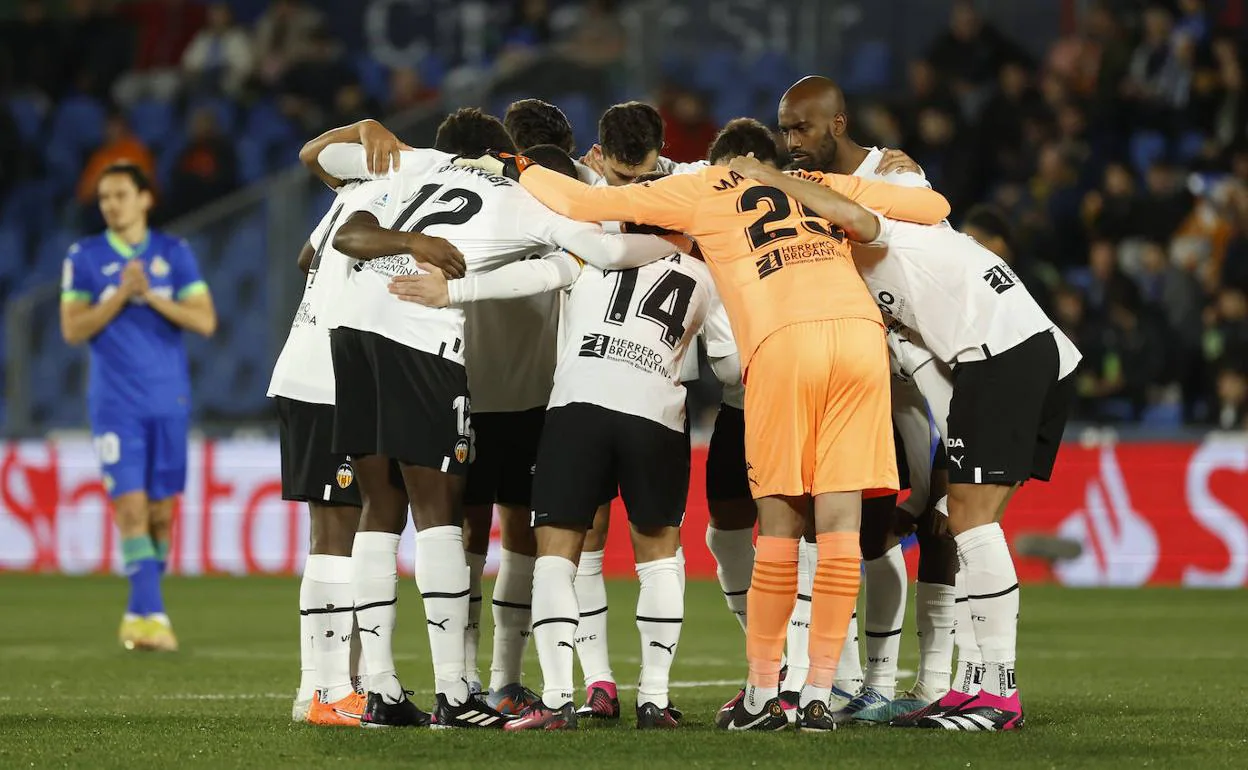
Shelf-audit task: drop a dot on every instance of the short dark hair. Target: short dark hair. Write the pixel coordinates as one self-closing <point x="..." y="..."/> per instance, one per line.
<point x="126" y="168"/>
<point x="553" y="158"/>
<point x="993" y="221"/>
<point x="630" y="131"/>
<point x="532" y="122"/>
<point x="741" y="136"/>
<point x="472" y="133"/>
<point x="650" y="176"/>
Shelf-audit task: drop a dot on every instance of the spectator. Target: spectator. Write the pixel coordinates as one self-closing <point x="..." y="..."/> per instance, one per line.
<point x="971" y="51"/>
<point x="688" y="129"/>
<point x="527" y="33"/>
<point x="1001" y="124"/>
<point x="284" y="37"/>
<point x="120" y="145"/>
<point x="219" y="59"/>
<point x="947" y="158"/>
<point x="205" y="170"/>
<point x="96" y="48"/>
<point x="165" y="28"/>
<point x="1105" y="279"/>
<point x="351" y="105"/>
<point x="1055" y="189"/>
<point x="1133" y="359"/>
<point x="1176" y="294"/>
<point x="598" y="38"/>
<point x="927" y="89"/>
<point x="1226" y="328"/>
<point x="1231" y="410"/>
<point x="1113" y="212"/>
<point x="407" y="91"/>
<point x="29" y="51"/>
<point x="1165" y="205"/>
<point x="880" y="126"/>
<point x="1159" y="77"/>
<point x="309" y="90"/>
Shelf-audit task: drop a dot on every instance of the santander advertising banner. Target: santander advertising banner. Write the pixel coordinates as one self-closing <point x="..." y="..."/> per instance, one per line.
<point x="1144" y="513"/>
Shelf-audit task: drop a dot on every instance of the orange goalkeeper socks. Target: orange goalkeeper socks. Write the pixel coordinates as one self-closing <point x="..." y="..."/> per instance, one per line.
<point x="773" y="592"/>
<point x="833" y="600"/>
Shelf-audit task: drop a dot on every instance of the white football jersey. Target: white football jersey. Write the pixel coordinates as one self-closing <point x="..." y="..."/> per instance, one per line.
<point x="490" y="219"/>
<point x="965" y="301"/>
<point x="628" y="333"/>
<point x="305" y="370"/>
<point x="511" y="351"/>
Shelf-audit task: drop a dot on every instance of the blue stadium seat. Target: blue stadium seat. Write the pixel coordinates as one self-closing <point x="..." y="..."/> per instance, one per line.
<point x="771" y="72"/>
<point x="732" y="104"/>
<point x="718" y="71"/>
<point x="12" y="259"/>
<point x="870" y="67"/>
<point x="167" y="161"/>
<point x="374" y="76"/>
<point x="583" y="117"/>
<point x="50" y="255"/>
<point x="78" y="123"/>
<point x="63" y="160"/>
<point x="322" y="199"/>
<point x="267" y="125"/>
<point x="433" y="69"/>
<point x="1163" y="416"/>
<point x="224" y="110"/>
<point x="30" y="208"/>
<point x="1190" y="145"/>
<point x="1146" y="148"/>
<point x="152" y="120"/>
<point x="252" y="163"/>
<point x="29" y="115"/>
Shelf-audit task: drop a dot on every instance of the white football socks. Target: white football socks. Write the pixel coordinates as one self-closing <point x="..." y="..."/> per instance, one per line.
<point x="513" y="617"/>
<point x="970" y="672"/>
<point x="307" y="664"/>
<point x="660" y="614"/>
<point x="992" y="588"/>
<point x="885" y="613"/>
<point x="374" y="573"/>
<point x="733" y="550"/>
<point x="591" y="634"/>
<point x="934" y="615"/>
<point x="472" y="631"/>
<point x="798" y="636"/>
<point x="332" y="617"/>
<point x="555" y="618"/>
<point x="849" y="667"/>
<point x="442" y="577"/>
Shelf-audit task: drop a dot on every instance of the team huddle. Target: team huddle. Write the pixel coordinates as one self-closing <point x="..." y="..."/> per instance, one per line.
<point x="490" y="327"/>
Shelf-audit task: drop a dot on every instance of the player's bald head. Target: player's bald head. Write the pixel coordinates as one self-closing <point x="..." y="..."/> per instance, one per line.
<point x="815" y="92"/>
<point x="812" y="120"/>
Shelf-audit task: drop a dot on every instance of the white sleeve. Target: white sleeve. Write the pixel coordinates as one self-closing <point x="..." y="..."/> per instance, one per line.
<point x="687" y="168"/>
<point x="347" y="161"/>
<point x="518" y="279"/>
<point x="608" y="251"/>
<point x="910" y="420"/>
<point x="717" y="331"/>
<point x="906" y="179"/>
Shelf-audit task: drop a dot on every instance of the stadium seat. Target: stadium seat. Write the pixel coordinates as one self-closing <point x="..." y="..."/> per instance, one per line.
<point x="433" y="69"/>
<point x="28" y="113"/>
<point x="583" y="116"/>
<point x="1167" y="415"/>
<point x="1146" y="148"/>
<point x="12" y="260"/>
<point x="870" y="67"/>
<point x="267" y="125"/>
<point x="771" y="72"/>
<point x="50" y="255"/>
<point x="152" y="120"/>
<point x="374" y="77"/>
<point x="1190" y="145"/>
<point x="252" y="161"/>
<point x="78" y="123"/>
<point x="718" y="70"/>
<point x="224" y="110"/>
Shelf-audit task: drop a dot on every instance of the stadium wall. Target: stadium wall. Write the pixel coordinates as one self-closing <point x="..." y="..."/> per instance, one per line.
<point x="1144" y="513"/>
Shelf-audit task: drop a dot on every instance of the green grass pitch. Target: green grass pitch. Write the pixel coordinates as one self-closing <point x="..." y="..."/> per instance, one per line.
<point x="1154" y="678"/>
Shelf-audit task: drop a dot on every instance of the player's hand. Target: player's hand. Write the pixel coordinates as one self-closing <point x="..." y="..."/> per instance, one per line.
<point x="134" y="279"/>
<point x="381" y="147"/>
<point x="749" y="167"/>
<point x="904" y="523"/>
<point x="429" y="290"/>
<point x="498" y="163"/>
<point x="439" y="253"/>
<point x="896" y="160"/>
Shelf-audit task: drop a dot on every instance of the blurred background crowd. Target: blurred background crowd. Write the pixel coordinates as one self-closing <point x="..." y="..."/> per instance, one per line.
<point x="1113" y="134"/>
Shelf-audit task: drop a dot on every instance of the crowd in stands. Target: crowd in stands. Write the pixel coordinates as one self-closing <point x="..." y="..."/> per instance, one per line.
<point x="1119" y="154"/>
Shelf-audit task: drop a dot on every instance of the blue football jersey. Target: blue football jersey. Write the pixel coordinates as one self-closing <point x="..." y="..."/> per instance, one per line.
<point x="138" y="361"/>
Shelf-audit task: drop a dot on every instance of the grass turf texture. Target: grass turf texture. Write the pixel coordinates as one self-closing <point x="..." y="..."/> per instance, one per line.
<point x="1110" y="678"/>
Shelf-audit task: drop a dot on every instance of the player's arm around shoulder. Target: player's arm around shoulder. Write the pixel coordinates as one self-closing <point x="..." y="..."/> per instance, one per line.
<point x="920" y="204"/>
<point x="808" y="189"/>
<point x="380" y="151"/>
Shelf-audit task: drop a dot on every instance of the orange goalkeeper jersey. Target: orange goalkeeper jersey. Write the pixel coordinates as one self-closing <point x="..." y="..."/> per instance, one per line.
<point x="774" y="262"/>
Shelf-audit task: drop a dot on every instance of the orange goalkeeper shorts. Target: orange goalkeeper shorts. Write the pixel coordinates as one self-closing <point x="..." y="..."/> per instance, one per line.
<point x="817" y="411"/>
